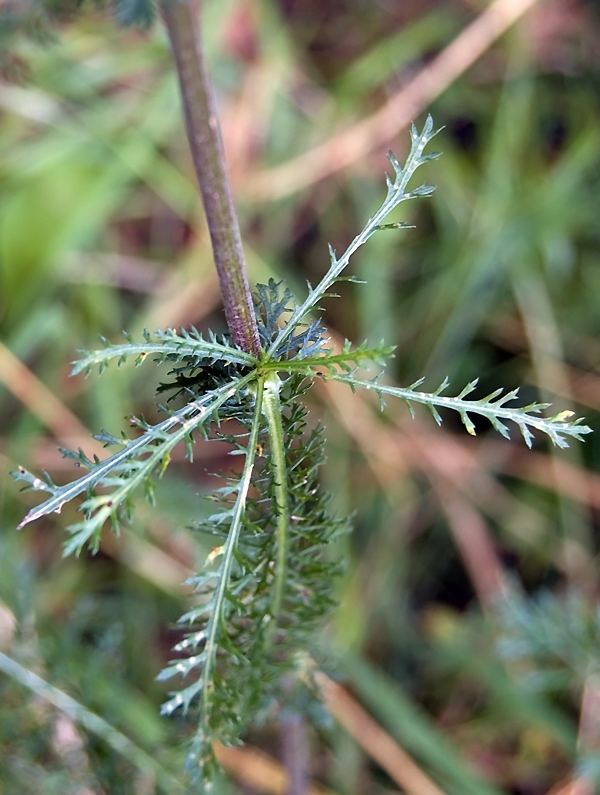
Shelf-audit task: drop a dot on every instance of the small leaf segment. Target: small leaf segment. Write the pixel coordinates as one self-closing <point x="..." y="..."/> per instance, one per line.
<point x="267" y="584"/>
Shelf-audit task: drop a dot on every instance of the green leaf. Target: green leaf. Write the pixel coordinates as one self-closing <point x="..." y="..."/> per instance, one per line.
<point x="412" y="727"/>
<point x="131" y="466"/>
<point x="267" y="586"/>
<point x="396" y="194"/>
<point x="492" y="407"/>
<point x="166" y="346"/>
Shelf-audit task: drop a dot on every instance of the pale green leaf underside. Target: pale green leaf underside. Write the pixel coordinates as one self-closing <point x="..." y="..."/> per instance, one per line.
<point x="215" y="609"/>
<point x="396" y="194"/>
<point x="124" y="471"/>
<point x="163" y="344"/>
<point x="492" y="407"/>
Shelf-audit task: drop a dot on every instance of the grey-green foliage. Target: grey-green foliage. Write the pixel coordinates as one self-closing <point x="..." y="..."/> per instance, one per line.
<point x="37" y="20"/>
<point x="552" y="643"/>
<point x="36" y="17"/>
<point x="116" y="740"/>
<point x="267" y="583"/>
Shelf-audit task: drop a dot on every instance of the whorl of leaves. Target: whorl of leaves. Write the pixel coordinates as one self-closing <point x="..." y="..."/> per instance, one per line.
<point x="267" y="583"/>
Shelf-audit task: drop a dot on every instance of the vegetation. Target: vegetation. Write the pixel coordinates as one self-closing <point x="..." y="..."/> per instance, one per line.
<point x="273" y="545"/>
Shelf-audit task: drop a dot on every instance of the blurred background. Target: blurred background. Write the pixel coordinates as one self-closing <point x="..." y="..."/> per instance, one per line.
<point x="468" y="626"/>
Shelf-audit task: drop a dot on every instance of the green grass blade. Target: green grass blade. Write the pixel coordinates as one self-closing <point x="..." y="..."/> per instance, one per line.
<point x="412" y="727"/>
<point x="93" y="723"/>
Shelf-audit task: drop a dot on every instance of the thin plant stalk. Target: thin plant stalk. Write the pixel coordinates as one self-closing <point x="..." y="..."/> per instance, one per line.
<point x="204" y="135"/>
<point x="294" y="751"/>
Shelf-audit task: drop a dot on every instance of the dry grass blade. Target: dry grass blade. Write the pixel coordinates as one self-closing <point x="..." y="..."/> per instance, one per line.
<point x="448" y="465"/>
<point x="560" y="476"/>
<point x="257" y="770"/>
<point x="44" y="404"/>
<point x="578" y="787"/>
<point x="588" y="739"/>
<point x="473" y="541"/>
<point x="348" y="146"/>
<point x="374" y="740"/>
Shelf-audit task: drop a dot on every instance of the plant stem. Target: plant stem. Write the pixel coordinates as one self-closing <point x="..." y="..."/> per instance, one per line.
<point x="294" y="751"/>
<point x="204" y="135"/>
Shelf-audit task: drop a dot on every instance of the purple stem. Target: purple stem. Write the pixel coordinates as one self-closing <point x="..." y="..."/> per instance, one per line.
<point x="204" y="135"/>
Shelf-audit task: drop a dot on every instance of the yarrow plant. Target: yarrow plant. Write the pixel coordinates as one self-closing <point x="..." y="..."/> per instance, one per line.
<point x="267" y="583"/>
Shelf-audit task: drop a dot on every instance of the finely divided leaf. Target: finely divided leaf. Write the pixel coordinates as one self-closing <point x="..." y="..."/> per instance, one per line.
<point x="122" y="472"/>
<point x="165" y="346"/>
<point x="492" y="407"/>
<point x="396" y="194"/>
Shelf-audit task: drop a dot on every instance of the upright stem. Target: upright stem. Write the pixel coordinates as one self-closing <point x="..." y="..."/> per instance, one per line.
<point x="294" y="751"/>
<point x="204" y="135"/>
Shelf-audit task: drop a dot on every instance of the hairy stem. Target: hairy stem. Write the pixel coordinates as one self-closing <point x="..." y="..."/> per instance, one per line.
<point x="272" y="412"/>
<point x="204" y="134"/>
